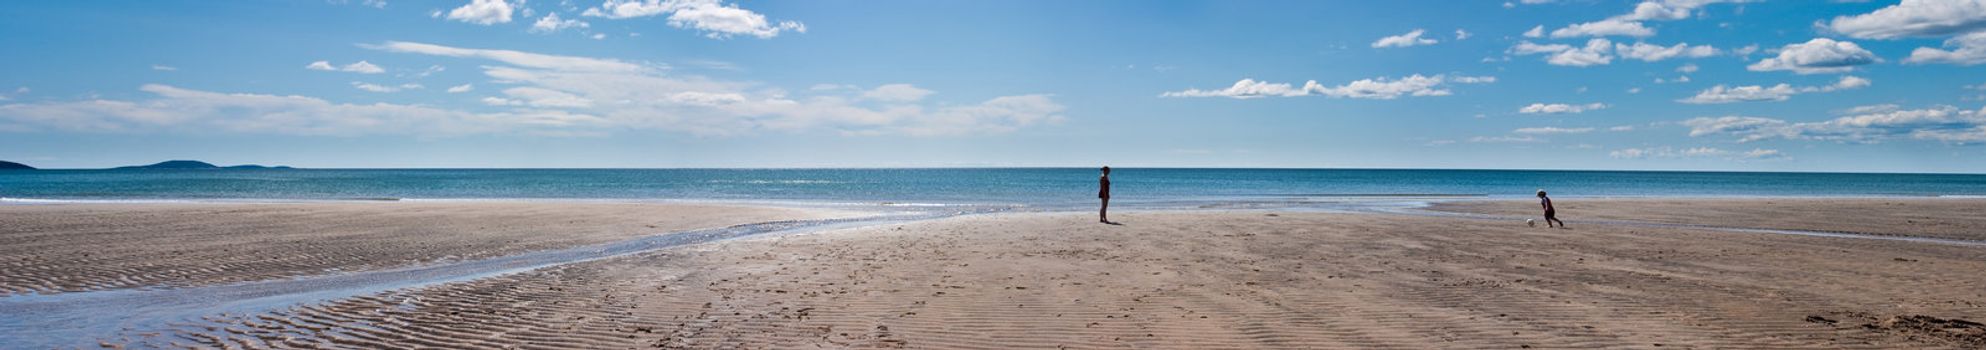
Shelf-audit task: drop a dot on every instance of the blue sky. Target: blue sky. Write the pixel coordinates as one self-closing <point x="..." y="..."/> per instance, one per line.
<point x="1564" y="84"/>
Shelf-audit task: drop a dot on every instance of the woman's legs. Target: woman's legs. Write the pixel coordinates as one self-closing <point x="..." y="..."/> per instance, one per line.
<point x="1103" y="212"/>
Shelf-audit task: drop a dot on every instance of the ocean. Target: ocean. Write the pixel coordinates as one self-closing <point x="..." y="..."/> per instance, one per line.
<point x="940" y="187"/>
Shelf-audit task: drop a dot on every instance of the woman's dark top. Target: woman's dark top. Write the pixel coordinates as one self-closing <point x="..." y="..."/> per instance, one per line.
<point x="1103" y="185"/>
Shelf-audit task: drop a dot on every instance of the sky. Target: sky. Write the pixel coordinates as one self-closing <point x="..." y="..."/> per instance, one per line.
<point x="1767" y="85"/>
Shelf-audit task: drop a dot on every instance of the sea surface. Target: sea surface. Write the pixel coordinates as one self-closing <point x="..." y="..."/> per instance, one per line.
<point x="941" y="187"/>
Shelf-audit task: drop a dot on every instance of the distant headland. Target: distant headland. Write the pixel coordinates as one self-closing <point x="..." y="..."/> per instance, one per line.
<point x="170" y="164"/>
<point x="194" y="164"/>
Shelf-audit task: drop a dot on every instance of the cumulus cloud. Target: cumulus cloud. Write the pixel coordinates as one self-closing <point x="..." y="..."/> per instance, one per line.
<point x="461" y="88"/>
<point x="1820" y="55"/>
<point x="1462" y="34"/>
<point x="1412" y="38"/>
<point x="1696" y="152"/>
<point x="1596" y="52"/>
<point x="1560" y="108"/>
<point x="552" y="24"/>
<point x="1969" y="49"/>
<point x="484" y="12"/>
<point x="549" y="94"/>
<point x="361" y="67"/>
<point x="1915" y="18"/>
<point x="1651" y="53"/>
<point x="1945" y="124"/>
<point x="1608" y="27"/>
<point x="1535" y="32"/>
<point x="1781" y="92"/>
<point x="1630" y="24"/>
<point x="716" y="19"/>
<point x="1381" y="88"/>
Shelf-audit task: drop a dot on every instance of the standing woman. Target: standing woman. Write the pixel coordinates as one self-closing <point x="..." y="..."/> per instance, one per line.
<point x="1103" y="192"/>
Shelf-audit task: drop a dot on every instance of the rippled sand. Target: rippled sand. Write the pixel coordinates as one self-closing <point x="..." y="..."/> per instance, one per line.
<point x="1193" y="280"/>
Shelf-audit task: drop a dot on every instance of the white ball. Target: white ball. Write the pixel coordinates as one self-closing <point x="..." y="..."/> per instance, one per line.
<point x="1531" y="222"/>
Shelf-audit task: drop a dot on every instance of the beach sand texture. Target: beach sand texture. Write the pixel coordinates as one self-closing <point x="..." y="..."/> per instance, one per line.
<point x="1200" y="280"/>
<point x="78" y="247"/>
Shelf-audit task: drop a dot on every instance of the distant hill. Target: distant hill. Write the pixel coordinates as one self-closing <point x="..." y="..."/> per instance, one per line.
<point x="6" y="165"/>
<point x="194" y="164"/>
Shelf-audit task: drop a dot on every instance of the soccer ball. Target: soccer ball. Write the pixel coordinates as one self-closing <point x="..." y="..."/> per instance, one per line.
<point x="1531" y="222"/>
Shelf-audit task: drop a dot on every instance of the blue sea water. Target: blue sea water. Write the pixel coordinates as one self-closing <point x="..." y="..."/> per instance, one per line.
<point x="991" y="186"/>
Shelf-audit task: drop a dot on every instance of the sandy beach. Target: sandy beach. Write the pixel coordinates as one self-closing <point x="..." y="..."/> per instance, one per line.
<point x="1216" y="279"/>
<point x="78" y="247"/>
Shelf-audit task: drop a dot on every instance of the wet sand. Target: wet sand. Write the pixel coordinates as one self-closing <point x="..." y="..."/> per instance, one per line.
<point x="68" y="248"/>
<point x="1211" y="279"/>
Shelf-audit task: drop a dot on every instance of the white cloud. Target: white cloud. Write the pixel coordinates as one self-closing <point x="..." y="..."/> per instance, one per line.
<point x="1746" y="51"/>
<point x="519" y="58"/>
<point x="1461" y="34"/>
<point x="383" y="88"/>
<point x="1687" y="68"/>
<point x="1630" y="24"/>
<point x="1651" y="53"/>
<point x="1608" y="27"/>
<point x="160" y="67"/>
<point x="1915" y="18"/>
<point x="484" y="12"/>
<point x="552" y="24"/>
<point x="1621" y="128"/>
<point x="1595" y="53"/>
<point x="1530" y="48"/>
<point x="178" y="109"/>
<point x="361" y="67"/>
<point x="1552" y="130"/>
<point x="1560" y="108"/>
<point x="1941" y="123"/>
<point x="1377" y="88"/>
<point x="1535" y="32"/>
<point x="461" y="88"/>
<point x="1820" y="55"/>
<point x="1411" y="38"/>
<point x="1696" y="152"/>
<point x="896" y="93"/>
<point x="716" y="19"/>
<point x="1781" y="92"/>
<point x="599" y="36"/>
<point x="1599" y="51"/>
<point x="551" y="95"/>
<point x="1969" y="49"/>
